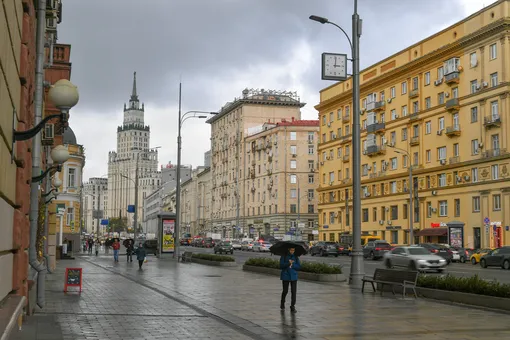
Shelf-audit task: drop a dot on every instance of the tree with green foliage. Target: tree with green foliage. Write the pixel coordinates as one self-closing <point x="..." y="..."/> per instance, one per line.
<point x="117" y="224"/>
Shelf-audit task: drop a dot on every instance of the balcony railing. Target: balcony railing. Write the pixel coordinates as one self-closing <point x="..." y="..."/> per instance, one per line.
<point x="376" y="106"/>
<point x="414" y="140"/>
<point x="414" y="116"/>
<point x="373" y="150"/>
<point x="346" y="158"/>
<point x="345" y="138"/>
<point x="454" y="160"/>
<point x="492" y="120"/>
<point x="377" y="174"/>
<point x="376" y="127"/>
<point x="452" y="104"/>
<point x="452" y="131"/>
<point x="414" y="93"/>
<point x="346" y="118"/>
<point x="452" y="78"/>
<point x="493" y="153"/>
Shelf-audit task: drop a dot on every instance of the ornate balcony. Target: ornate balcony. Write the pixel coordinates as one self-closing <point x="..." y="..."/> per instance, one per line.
<point x="377" y="127"/>
<point x="376" y="106"/>
<point x="346" y="158"/>
<point x="346" y="118"/>
<point x="414" y="140"/>
<point x="452" y="78"/>
<point x="414" y="93"/>
<point x="453" y="131"/>
<point x="452" y="104"/>
<point x="374" y="150"/>
<point x="492" y="121"/>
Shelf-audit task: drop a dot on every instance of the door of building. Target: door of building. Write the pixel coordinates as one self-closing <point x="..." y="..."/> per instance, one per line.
<point x="477" y="242"/>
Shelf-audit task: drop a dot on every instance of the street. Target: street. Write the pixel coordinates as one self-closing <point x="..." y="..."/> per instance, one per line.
<point x="455" y="269"/>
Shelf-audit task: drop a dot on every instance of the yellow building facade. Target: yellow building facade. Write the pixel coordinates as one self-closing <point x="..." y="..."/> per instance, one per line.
<point x="441" y="107"/>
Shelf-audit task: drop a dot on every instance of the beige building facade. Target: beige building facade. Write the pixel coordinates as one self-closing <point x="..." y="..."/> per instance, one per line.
<point x="441" y="107"/>
<point x="194" y="215"/>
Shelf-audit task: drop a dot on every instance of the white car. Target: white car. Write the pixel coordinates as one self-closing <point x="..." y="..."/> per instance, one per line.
<point x="261" y="246"/>
<point x="236" y="245"/>
<point x="414" y="258"/>
<point x="455" y="253"/>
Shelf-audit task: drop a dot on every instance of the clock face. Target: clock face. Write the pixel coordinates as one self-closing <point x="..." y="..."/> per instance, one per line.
<point x="334" y="66"/>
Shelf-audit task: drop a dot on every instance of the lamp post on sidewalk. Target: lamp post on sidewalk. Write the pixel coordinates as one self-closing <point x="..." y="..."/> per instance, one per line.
<point x="357" y="265"/>
<point x="182" y="119"/>
<point x="411" y="187"/>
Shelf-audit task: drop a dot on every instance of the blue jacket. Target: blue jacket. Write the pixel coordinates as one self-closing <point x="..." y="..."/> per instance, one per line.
<point x="140" y="253"/>
<point x="289" y="274"/>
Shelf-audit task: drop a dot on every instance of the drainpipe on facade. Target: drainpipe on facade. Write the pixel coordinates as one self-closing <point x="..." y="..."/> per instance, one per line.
<point x="47" y="189"/>
<point x="36" y="152"/>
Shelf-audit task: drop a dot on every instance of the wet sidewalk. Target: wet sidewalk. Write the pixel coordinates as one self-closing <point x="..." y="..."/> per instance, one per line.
<point x="169" y="300"/>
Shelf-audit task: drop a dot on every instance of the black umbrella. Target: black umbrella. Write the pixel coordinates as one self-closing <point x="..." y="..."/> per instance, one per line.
<point x="282" y="248"/>
<point x="127" y="241"/>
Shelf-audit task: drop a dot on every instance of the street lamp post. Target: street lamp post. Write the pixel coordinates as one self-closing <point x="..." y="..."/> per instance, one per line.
<point x="411" y="187"/>
<point x="182" y="119"/>
<point x="357" y="265"/>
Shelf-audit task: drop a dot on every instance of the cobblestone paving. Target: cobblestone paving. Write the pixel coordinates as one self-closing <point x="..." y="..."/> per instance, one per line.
<point x="169" y="300"/>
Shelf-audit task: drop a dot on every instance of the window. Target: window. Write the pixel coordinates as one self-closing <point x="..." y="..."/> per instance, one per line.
<point x="443" y="208"/>
<point x="310" y="211"/>
<point x="394" y="237"/>
<point x="495" y="141"/>
<point x="364" y="103"/>
<point x="474" y="114"/>
<point x="476" y="204"/>
<point x="493" y="52"/>
<point x="347" y="111"/>
<point x="311" y="179"/>
<point x="428" y="127"/>
<point x="339" y="114"/>
<point x="293" y="193"/>
<point x="427" y="103"/>
<point x="365" y="215"/>
<point x="455" y="92"/>
<point x="364" y="170"/>
<point x="293" y="209"/>
<point x="381" y="94"/>
<point x="415" y="158"/>
<point x="70" y="216"/>
<point x="427" y="78"/>
<point x="472" y="60"/>
<point x="441" y="153"/>
<point x="393" y="114"/>
<point x="440" y="122"/>
<point x="415" y="83"/>
<point x="474" y="147"/>
<point x="392" y="92"/>
<point x="293" y="149"/>
<point x="456" y="150"/>
<point x="293" y="134"/>
<point x="393" y="163"/>
<point x="324" y="120"/>
<point x="494" y="79"/>
<point x="310" y="150"/>
<point x="440" y="73"/>
<point x="441" y="178"/>
<point x="310" y="137"/>
<point x="293" y="179"/>
<point x="404" y="111"/>
<point x="394" y="212"/>
<point x="404" y="87"/>
<point x="428" y="155"/>
<point x="429" y="209"/>
<point x="331" y="176"/>
<point x="393" y="137"/>
<point x="393" y="187"/>
<point x="494" y="110"/>
<point x="404" y="161"/>
<point x="451" y="65"/>
<point x="456" y="207"/>
<point x="474" y="86"/>
<point x="440" y="98"/>
<point x="71" y="178"/>
<point x="416" y="107"/>
<point x="495" y="171"/>
<point x="404" y="134"/>
<point x="474" y="175"/>
<point x="293" y="164"/>
<point x="331" y="117"/>
<point x="416" y="130"/>
<point x="496" y="202"/>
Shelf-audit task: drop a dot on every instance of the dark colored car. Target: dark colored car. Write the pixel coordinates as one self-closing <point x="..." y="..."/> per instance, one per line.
<point x="465" y="254"/>
<point x="223" y="247"/>
<point x="304" y="244"/>
<point x="151" y="246"/>
<point x="324" y="248"/>
<point x="376" y="249"/>
<point x="438" y="249"/>
<point x="207" y="243"/>
<point x="499" y="257"/>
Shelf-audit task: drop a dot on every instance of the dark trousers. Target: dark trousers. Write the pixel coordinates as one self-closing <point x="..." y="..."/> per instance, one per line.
<point x="129" y="256"/>
<point x="293" y="291"/>
<point x="140" y="263"/>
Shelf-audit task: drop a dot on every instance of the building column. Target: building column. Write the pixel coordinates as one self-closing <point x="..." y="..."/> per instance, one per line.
<point x="505" y="207"/>
<point x="484" y="212"/>
<point x="481" y="118"/>
<point x="503" y="98"/>
<point x="504" y="62"/>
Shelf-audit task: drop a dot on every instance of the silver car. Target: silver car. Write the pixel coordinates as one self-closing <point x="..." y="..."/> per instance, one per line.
<point x="414" y="258"/>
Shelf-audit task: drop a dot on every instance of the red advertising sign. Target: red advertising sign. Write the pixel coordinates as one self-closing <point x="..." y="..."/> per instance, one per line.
<point x="73" y="278"/>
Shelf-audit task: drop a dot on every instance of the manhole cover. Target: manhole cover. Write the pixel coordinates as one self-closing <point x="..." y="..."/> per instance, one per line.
<point x="212" y="275"/>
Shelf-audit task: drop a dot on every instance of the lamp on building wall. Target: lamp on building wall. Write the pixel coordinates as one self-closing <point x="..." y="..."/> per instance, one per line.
<point x="64" y="95"/>
<point x="59" y="155"/>
<point x="57" y="182"/>
<point x="52" y="197"/>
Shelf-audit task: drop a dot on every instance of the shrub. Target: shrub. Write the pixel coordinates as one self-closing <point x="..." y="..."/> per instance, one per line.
<point x="212" y="257"/>
<point x="473" y="285"/>
<point x="306" y="267"/>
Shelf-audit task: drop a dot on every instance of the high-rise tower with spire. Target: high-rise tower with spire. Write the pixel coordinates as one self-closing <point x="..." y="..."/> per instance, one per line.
<point x="133" y="150"/>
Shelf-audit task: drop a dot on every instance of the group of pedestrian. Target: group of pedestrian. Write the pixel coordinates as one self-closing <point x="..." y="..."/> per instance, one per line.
<point x="140" y="252"/>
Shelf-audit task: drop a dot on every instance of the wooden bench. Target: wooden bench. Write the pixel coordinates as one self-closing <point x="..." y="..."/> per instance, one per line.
<point x="392" y="277"/>
<point x="186" y="256"/>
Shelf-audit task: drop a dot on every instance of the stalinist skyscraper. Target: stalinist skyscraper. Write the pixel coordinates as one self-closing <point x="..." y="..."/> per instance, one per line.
<point x="133" y="150"/>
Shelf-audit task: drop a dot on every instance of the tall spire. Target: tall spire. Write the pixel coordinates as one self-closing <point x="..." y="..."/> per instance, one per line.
<point x="134" y="96"/>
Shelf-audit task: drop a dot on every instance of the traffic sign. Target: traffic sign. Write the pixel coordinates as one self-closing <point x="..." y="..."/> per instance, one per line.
<point x="486" y="220"/>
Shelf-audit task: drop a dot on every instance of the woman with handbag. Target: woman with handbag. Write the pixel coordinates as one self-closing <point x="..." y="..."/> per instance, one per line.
<point x="141" y="254"/>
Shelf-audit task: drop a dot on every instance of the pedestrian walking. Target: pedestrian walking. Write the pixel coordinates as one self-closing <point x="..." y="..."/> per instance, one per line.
<point x="90" y="244"/>
<point x="116" y="247"/>
<point x="107" y="245"/>
<point x="141" y="254"/>
<point x="290" y="265"/>
<point x="130" y="250"/>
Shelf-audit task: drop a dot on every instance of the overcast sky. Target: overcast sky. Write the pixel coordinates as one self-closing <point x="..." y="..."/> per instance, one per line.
<point x="218" y="48"/>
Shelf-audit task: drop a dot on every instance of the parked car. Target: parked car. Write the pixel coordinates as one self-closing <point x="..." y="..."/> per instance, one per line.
<point x="223" y="247"/>
<point x="247" y="245"/>
<point x="236" y="245"/>
<point x="376" y="249"/>
<point x="477" y="255"/>
<point x="151" y="246"/>
<point x="414" y="258"/>
<point x="465" y="254"/>
<point x="324" y="248"/>
<point x="261" y="246"/>
<point x="438" y="250"/>
<point x="207" y="243"/>
<point x="499" y="257"/>
<point x="304" y="244"/>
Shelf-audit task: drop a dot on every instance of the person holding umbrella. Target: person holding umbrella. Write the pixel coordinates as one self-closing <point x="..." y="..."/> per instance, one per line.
<point x="290" y="265"/>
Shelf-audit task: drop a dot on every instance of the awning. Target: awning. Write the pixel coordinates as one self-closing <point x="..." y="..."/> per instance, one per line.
<point x="432" y="232"/>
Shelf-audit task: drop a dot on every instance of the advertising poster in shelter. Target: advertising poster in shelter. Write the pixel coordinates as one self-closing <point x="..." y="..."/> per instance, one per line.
<point x="168" y="236"/>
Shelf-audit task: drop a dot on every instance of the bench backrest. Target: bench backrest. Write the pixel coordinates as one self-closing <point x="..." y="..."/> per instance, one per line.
<point x="397" y="276"/>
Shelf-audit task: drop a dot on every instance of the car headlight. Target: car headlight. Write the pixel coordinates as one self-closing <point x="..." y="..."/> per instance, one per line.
<point x="442" y="260"/>
<point x="422" y="261"/>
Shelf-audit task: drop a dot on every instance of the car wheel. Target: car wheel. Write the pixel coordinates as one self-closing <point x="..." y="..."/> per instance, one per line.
<point x="483" y="263"/>
<point x="506" y="265"/>
<point x="473" y="261"/>
<point x="462" y="259"/>
<point x="336" y="255"/>
<point x="388" y="264"/>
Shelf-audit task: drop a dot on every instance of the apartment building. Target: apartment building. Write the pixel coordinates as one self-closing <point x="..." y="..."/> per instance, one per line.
<point x="195" y="202"/>
<point x="441" y="108"/>
<point x="228" y="130"/>
<point x="95" y="204"/>
<point x="280" y="188"/>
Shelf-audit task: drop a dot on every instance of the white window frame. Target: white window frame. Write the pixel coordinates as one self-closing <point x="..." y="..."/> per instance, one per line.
<point x="473" y="60"/>
<point x="443" y="208"/>
<point x="441" y="153"/>
<point x="293" y="164"/>
<point x="427" y="78"/>
<point x="404" y="87"/>
<point x="428" y="127"/>
<point x="73" y="176"/>
<point x="293" y="134"/>
<point x="493" y="51"/>
<point x="293" y="179"/>
<point x="69" y="215"/>
<point x="476" y="204"/>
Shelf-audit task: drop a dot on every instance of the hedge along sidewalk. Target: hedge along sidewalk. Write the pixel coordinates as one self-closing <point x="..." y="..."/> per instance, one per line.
<point x="466" y="290"/>
<point x="214" y="260"/>
<point x="309" y="271"/>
